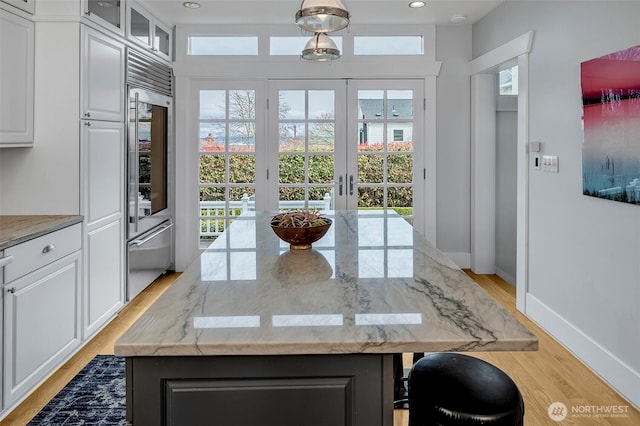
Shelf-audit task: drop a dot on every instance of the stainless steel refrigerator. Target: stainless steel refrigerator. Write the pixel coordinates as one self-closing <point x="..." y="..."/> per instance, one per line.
<point x="149" y="188"/>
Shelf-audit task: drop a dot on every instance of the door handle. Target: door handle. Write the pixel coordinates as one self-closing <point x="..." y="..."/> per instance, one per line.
<point x="351" y="185"/>
<point x="340" y="186"/>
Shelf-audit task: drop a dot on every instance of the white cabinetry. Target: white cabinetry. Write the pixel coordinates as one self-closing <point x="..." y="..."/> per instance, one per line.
<point x="102" y="184"/>
<point x="17" y="49"/>
<point x="102" y="77"/>
<point x="147" y="31"/>
<point x="41" y="309"/>
<point x="103" y="206"/>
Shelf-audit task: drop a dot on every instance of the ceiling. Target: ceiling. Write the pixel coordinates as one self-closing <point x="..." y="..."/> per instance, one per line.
<point x="363" y="12"/>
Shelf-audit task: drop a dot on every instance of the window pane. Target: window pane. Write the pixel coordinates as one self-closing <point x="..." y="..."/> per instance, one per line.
<point x="222" y="45"/>
<point x="293" y="45"/>
<point x="291" y="169"/>
<point x="370" y="136"/>
<point x="321" y="104"/>
<point x="242" y="137"/>
<point x="212" y="194"/>
<point x="400" y="168"/>
<point x="317" y="194"/>
<point x="242" y="104"/>
<point x="212" y="137"/>
<point x="292" y="105"/>
<point x="212" y="169"/>
<point x="239" y="194"/>
<point x="370" y="168"/>
<point x="370" y="104"/>
<point x="399" y="132"/>
<point x="399" y="104"/>
<point x="509" y="81"/>
<point x="292" y="136"/>
<point x="213" y="105"/>
<point x="242" y="168"/>
<point x="401" y="196"/>
<point x="322" y="137"/>
<point x="291" y="194"/>
<point x="370" y="196"/>
<point x="387" y="45"/>
<point x="320" y="168"/>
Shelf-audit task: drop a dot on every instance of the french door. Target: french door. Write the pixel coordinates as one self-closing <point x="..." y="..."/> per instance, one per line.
<point x="346" y="144"/>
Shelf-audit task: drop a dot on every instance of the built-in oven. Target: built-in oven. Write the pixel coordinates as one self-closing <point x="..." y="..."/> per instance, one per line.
<point x="149" y="177"/>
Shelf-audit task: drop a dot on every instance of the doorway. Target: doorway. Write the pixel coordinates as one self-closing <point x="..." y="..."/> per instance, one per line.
<point x="483" y="160"/>
<point x="346" y="144"/>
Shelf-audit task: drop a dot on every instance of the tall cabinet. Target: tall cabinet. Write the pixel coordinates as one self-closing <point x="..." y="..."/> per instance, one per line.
<point x="102" y="184"/>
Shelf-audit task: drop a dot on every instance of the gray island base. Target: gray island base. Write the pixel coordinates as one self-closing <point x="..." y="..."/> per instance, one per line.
<point x="255" y="334"/>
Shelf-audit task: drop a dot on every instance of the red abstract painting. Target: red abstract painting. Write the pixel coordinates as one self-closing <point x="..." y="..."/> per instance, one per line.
<point x="611" y="120"/>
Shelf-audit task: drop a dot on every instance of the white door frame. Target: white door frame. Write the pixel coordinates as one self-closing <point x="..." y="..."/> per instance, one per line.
<point x="483" y="142"/>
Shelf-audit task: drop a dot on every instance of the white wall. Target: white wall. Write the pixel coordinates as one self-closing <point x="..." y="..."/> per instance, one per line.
<point x="506" y="203"/>
<point x="453" y="48"/>
<point x="584" y="268"/>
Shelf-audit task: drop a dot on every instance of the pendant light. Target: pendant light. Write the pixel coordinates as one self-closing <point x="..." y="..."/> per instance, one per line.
<point x="322" y="16"/>
<point x="320" y="48"/>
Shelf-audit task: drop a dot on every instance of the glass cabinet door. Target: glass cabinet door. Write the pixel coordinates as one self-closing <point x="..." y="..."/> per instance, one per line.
<point x="162" y="41"/>
<point x="108" y="12"/>
<point x="140" y="28"/>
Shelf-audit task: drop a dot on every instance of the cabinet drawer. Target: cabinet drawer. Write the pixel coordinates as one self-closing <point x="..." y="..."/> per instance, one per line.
<point x="36" y="253"/>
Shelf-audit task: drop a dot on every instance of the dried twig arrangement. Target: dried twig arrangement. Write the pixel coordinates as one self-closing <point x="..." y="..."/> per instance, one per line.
<point x="298" y="219"/>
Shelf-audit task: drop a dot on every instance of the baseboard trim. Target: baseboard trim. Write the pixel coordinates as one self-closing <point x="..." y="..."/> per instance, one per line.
<point x="607" y="366"/>
<point x="505" y="276"/>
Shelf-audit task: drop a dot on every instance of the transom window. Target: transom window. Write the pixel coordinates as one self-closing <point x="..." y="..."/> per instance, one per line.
<point x="283" y="45"/>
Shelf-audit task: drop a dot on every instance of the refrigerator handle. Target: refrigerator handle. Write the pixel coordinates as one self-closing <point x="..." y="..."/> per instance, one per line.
<point x="138" y="243"/>
<point x="136" y="187"/>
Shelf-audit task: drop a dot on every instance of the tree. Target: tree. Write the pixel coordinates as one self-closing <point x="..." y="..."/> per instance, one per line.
<point x="242" y="107"/>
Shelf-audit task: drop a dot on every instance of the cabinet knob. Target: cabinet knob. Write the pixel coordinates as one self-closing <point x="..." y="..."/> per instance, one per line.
<point x="87" y="114"/>
<point x="11" y="290"/>
<point x="88" y="124"/>
<point x="48" y="248"/>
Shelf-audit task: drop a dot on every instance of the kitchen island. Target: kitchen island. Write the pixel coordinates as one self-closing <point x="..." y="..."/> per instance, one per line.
<point x="255" y="333"/>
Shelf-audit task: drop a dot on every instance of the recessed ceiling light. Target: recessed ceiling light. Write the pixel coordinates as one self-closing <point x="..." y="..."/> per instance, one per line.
<point x="456" y="19"/>
<point x="417" y="4"/>
<point x="191" y="4"/>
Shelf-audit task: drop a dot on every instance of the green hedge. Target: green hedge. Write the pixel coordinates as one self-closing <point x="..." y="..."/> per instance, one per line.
<point x="321" y="172"/>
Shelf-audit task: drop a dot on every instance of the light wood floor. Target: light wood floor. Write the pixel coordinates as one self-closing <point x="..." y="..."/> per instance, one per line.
<point x="548" y="375"/>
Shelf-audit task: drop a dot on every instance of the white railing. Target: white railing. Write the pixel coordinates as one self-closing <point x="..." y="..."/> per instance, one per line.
<point x="212" y="213"/>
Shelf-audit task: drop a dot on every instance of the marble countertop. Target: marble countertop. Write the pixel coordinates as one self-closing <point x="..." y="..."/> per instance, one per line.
<point x="370" y="285"/>
<point x="20" y="228"/>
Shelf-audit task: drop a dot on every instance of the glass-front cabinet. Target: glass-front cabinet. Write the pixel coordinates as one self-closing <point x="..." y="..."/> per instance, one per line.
<point x="107" y="13"/>
<point x="26" y="5"/>
<point x="145" y="30"/>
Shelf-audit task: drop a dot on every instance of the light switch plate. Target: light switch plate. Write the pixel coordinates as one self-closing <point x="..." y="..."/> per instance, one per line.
<point x="550" y="163"/>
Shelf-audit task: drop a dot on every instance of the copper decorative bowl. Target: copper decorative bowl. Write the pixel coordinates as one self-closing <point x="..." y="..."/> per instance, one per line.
<point x="302" y="234"/>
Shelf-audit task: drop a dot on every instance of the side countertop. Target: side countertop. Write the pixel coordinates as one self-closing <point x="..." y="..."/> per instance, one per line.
<point x="20" y="228"/>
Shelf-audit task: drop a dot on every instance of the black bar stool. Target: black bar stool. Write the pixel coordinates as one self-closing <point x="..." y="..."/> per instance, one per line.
<point x="451" y="389"/>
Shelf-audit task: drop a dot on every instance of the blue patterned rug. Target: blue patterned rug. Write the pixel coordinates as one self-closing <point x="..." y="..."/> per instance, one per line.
<point x="96" y="396"/>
